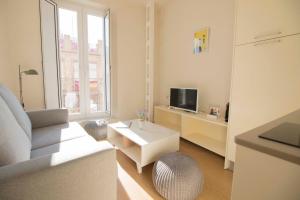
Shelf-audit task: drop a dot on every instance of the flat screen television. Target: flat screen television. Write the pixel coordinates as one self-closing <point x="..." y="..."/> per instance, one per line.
<point x="184" y="99"/>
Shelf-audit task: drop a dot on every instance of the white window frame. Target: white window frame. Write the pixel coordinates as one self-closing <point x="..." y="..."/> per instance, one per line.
<point x="84" y="92"/>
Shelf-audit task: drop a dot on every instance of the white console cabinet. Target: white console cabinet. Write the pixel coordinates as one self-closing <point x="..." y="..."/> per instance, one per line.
<point x="197" y="128"/>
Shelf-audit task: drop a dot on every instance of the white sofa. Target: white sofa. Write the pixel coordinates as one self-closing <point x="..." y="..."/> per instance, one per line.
<point x="43" y="156"/>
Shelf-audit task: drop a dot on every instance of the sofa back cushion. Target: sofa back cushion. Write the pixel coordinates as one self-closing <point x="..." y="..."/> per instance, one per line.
<point x="14" y="143"/>
<point x="17" y="110"/>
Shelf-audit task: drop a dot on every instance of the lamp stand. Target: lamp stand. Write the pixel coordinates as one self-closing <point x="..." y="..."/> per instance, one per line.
<point x="20" y="87"/>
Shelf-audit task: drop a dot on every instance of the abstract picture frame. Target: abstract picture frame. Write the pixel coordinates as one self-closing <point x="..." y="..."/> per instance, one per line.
<point x="201" y="40"/>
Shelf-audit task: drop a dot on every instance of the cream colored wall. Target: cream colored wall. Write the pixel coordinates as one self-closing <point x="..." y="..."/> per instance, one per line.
<point x="24" y="48"/>
<point x="178" y="66"/>
<point x="4" y="72"/>
<point x="128" y="53"/>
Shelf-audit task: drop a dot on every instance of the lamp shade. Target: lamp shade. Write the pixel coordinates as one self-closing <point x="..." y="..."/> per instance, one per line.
<point x="31" y="72"/>
<point x="26" y="72"/>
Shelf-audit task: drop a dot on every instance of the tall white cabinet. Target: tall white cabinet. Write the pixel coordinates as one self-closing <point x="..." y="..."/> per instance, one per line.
<point x="264" y="19"/>
<point x="266" y="65"/>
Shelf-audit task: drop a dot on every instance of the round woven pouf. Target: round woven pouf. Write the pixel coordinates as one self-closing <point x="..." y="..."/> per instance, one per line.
<point x="177" y="177"/>
<point x="97" y="129"/>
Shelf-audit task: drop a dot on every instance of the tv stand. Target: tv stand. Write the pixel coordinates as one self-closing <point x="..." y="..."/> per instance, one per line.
<point x="182" y="110"/>
<point x="194" y="127"/>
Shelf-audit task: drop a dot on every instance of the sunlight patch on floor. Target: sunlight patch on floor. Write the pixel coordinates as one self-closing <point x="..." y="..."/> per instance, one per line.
<point x="130" y="189"/>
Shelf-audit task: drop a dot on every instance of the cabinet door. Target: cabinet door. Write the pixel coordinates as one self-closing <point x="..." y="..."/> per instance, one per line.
<point x="264" y="19"/>
<point x="266" y="84"/>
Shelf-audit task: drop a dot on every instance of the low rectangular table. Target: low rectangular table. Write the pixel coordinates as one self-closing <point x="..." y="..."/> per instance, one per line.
<point x="143" y="142"/>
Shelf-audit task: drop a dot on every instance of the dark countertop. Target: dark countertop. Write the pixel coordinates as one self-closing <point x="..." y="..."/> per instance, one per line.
<point x="251" y="140"/>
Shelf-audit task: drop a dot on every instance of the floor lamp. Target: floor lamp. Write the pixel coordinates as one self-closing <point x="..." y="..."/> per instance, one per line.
<point x="26" y="72"/>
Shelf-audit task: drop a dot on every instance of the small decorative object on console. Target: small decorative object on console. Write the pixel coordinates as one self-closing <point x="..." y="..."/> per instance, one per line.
<point x="214" y="112"/>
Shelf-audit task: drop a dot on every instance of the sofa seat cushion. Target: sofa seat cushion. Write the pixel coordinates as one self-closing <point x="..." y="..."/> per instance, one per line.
<point x="70" y="146"/>
<point x="46" y="136"/>
<point x="14" y="143"/>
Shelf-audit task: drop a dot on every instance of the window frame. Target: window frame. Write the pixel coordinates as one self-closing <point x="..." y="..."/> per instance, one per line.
<point x="82" y="23"/>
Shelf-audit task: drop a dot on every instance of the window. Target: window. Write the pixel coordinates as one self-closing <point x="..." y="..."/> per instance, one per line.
<point x="84" y="61"/>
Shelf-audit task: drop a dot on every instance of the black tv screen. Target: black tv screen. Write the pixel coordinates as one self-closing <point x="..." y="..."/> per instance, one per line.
<point x="186" y="99"/>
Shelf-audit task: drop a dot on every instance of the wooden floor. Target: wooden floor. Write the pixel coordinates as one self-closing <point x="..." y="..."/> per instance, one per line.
<point x="217" y="181"/>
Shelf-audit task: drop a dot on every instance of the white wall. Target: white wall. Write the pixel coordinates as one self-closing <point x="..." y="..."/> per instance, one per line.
<point x="6" y="72"/>
<point x="177" y="66"/>
<point x="128" y="52"/>
<point x="23" y="47"/>
<point x="3" y="46"/>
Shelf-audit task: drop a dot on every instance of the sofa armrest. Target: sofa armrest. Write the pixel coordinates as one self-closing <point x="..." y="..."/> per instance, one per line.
<point x="43" y="118"/>
<point x="89" y="173"/>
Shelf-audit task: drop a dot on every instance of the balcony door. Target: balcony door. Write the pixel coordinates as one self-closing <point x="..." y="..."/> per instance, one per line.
<point x="84" y="61"/>
<point x="48" y="15"/>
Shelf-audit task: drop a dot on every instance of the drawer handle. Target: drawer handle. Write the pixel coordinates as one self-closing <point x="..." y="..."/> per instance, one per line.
<point x="267" y="42"/>
<point x="267" y="35"/>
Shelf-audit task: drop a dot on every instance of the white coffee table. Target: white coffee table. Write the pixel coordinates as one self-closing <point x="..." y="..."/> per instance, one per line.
<point x="143" y="145"/>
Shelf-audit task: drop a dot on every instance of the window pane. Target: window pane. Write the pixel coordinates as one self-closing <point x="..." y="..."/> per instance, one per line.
<point x="96" y="64"/>
<point x="69" y="59"/>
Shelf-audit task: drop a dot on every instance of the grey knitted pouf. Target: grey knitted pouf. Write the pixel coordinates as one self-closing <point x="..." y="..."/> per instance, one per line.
<point x="177" y="177"/>
<point x="97" y="129"/>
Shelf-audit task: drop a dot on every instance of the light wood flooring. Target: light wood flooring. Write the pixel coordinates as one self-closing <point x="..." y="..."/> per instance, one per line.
<point x="134" y="186"/>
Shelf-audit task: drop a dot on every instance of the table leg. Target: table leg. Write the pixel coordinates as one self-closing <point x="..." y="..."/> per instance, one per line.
<point x="139" y="168"/>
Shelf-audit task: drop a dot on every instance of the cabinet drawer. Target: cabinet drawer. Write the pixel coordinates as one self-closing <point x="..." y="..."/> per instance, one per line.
<point x="264" y="19"/>
<point x="266" y="84"/>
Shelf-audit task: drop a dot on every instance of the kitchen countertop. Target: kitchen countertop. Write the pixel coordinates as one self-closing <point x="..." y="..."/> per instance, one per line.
<point x="251" y="140"/>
